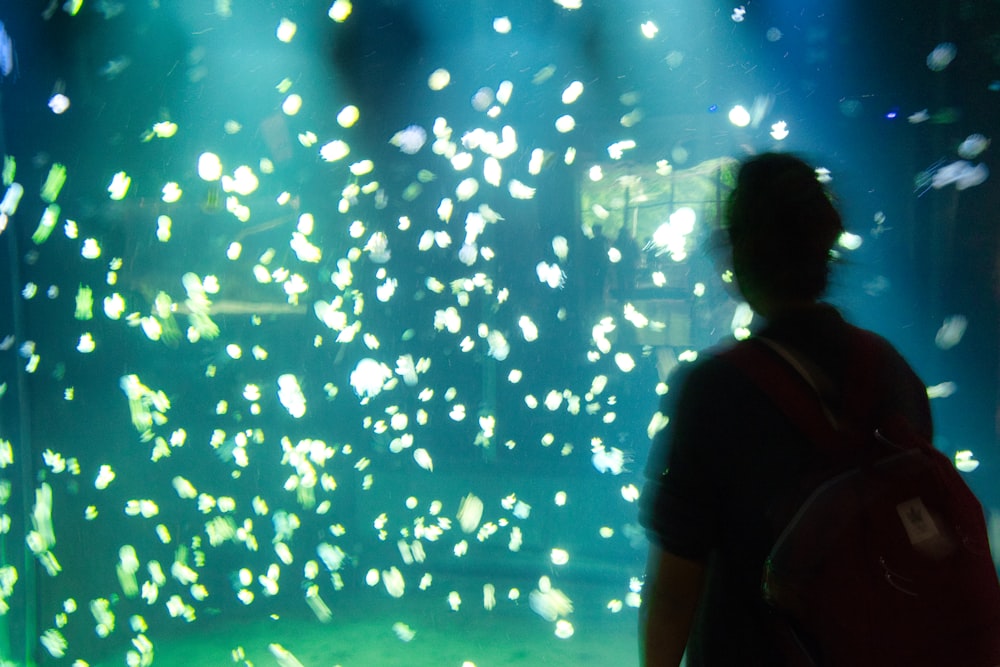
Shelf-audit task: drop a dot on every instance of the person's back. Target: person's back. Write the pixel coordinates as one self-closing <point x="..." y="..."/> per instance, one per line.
<point x="729" y="456"/>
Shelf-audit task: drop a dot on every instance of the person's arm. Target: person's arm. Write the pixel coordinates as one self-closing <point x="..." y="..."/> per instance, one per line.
<point x="670" y="599"/>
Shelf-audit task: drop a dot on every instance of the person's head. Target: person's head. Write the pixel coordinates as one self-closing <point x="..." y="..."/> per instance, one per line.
<point x="782" y="226"/>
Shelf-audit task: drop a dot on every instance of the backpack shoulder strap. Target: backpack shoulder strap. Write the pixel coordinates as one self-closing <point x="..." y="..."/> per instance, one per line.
<point x="791" y="391"/>
<point x="781" y="374"/>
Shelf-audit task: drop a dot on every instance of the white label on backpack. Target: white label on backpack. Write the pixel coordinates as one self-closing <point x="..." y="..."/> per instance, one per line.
<point x="917" y="521"/>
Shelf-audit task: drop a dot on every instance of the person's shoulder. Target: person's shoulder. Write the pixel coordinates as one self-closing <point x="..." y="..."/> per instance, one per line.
<point x="712" y="370"/>
<point x="877" y="346"/>
<point x="899" y="389"/>
<point x="893" y="373"/>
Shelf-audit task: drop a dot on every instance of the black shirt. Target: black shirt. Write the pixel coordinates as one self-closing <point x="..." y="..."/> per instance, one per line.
<point x="728" y="453"/>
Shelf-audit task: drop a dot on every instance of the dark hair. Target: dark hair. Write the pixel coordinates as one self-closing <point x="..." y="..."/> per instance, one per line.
<point x="782" y="226"/>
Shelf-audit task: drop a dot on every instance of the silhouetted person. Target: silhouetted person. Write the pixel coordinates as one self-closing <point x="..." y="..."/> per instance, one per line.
<point x="593" y="267"/>
<point x="625" y="270"/>
<point x="729" y="453"/>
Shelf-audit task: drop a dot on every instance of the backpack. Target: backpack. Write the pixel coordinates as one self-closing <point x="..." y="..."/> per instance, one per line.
<point x="886" y="561"/>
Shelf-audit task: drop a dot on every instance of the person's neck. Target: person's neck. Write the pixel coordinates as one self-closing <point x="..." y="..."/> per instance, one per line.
<point x="771" y="309"/>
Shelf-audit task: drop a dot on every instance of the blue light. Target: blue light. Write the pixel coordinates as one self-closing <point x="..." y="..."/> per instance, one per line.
<point x="713" y="108"/>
